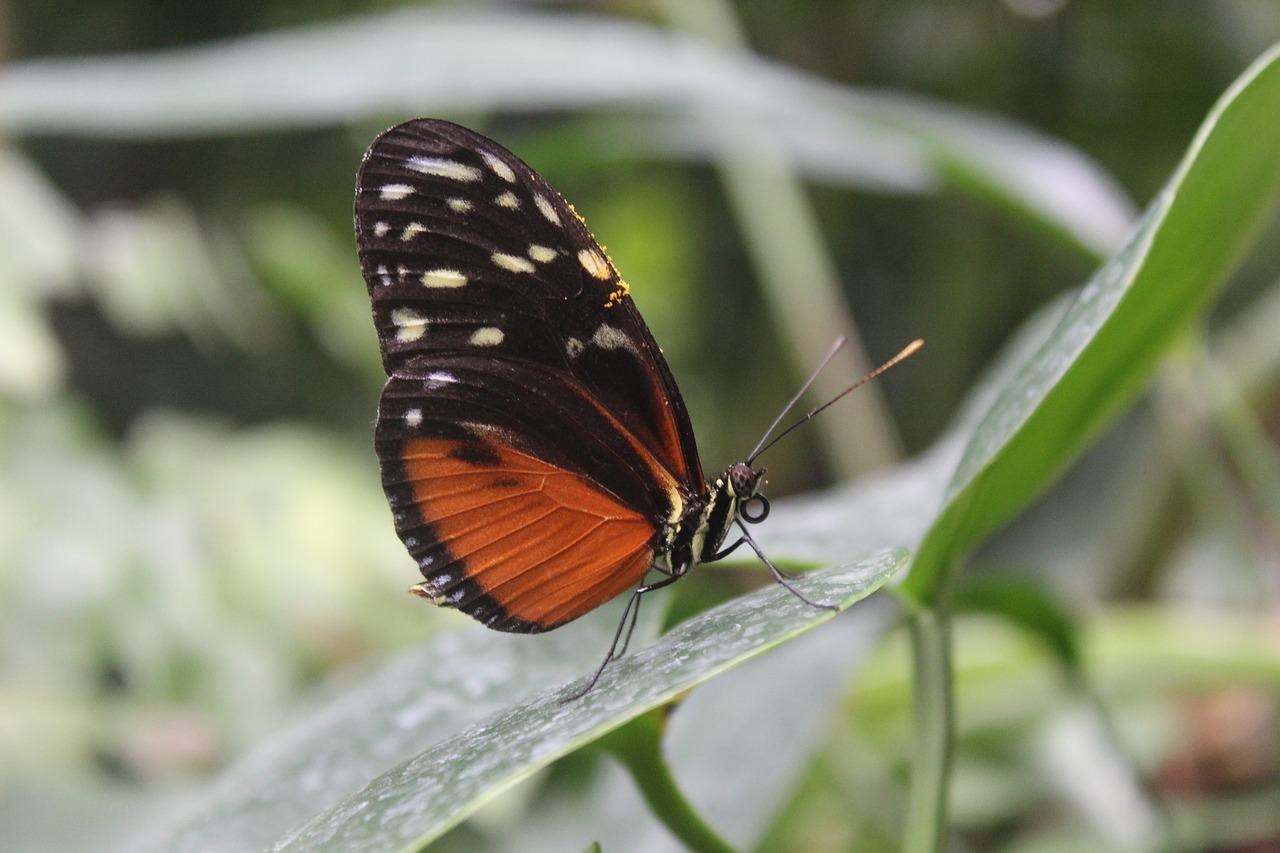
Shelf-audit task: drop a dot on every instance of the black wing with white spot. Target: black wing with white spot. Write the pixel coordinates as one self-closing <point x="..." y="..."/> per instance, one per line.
<point x="467" y="251"/>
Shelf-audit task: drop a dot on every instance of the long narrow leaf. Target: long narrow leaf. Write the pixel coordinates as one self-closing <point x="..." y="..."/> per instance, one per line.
<point x="431" y="702"/>
<point x="417" y="801"/>
<point x="450" y="61"/>
<point x="1109" y="341"/>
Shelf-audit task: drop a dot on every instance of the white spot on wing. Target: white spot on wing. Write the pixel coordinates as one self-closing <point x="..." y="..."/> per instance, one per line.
<point x="443" y="168"/>
<point x="459" y="205"/>
<point x="542" y="254"/>
<point x="412" y="230"/>
<point x="508" y="200"/>
<point x="413" y="418"/>
<point x="395" y="192"/>
<point x="489" y="431"/>
<point x="487" y="336"/>
<point x="443" y="278"/>
<point x="594" y="263"/>
<point x="544" y="205"/>
<point x="573" y="347"/>
<point x="610" y="338"/>
<point x="501" y="169"/>
<point x="410" y="325"/>
<point x="380" y="229"/>
<point x="512" y="263"/>
<point x="439" y="378"/>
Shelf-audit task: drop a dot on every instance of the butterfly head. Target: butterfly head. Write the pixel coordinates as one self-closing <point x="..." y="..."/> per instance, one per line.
<point x="744" y="480"/>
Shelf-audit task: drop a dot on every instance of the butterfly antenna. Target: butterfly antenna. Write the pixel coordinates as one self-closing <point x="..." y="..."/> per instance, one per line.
<point x="826" y="359"/>
<point x="765" y="443"/>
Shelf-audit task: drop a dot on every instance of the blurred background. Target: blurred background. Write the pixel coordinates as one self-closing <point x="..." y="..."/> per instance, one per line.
<point x="192" y="532"/>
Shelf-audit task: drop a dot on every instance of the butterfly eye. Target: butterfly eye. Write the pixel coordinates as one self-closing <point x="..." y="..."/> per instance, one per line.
<point x="744" y="480"/>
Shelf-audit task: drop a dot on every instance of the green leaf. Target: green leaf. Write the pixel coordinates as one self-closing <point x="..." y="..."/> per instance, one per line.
<point x="450" y="60"/>
<point x="432" y="701"/>
<point x="352" y="733"/>
<point x="782" y="705"/>
<point x="1108" y="342"/>
<point x="417" y="801"/>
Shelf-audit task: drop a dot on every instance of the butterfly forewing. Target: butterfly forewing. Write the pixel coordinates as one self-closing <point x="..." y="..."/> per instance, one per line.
<point x="533" y="442"/>
<point x="465" y="248"/>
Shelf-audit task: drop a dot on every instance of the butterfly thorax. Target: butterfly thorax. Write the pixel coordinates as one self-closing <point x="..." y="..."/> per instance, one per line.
<point x="699" y="534"/>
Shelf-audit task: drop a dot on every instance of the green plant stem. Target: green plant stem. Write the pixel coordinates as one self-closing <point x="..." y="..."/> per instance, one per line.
<point x="638" y="746"/>
<point x="934" y="723"/>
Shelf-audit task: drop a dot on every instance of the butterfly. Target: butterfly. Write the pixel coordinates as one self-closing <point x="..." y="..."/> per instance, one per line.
<point x="535" y="450"/>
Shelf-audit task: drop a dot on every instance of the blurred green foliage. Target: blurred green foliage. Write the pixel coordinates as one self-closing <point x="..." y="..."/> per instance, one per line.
<point x="191" y="530"/>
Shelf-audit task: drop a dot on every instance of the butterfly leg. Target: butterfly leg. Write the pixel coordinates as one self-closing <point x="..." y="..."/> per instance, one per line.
<point x="724" y="552"/>
<point x="779" y="575"/>
<point x="628" y="621"/>
<point x="634" y="605"/>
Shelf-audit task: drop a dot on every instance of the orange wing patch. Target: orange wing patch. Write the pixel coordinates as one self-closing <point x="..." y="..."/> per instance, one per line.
<point x="542" y="542"/>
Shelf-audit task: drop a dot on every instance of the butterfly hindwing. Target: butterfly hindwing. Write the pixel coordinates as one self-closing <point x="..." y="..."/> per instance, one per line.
<point x="487" y="464"/>
<point x="464" y="248"/>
